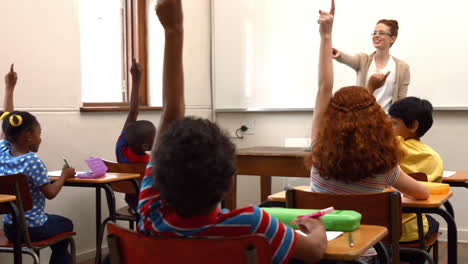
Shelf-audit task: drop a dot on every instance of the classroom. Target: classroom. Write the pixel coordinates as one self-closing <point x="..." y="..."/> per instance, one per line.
<point x="56" y="61"/>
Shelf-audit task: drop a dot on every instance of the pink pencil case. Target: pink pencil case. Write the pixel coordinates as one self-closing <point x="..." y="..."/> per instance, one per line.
<point x="97" y="167"/>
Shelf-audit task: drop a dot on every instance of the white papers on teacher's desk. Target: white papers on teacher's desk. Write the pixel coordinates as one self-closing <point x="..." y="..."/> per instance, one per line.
<point x="448" y="174"/>
<point x="330" y="234"/>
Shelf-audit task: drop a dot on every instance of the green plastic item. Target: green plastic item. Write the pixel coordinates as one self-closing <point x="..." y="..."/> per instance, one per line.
<point x="339" y="220"/>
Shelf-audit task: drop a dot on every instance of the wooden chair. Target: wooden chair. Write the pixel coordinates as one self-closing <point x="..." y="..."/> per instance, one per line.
<point x="382" y="209"/>
<point x="124" y="213"/>
<point x="126" y="246"/>
<point x="17" y="184"/>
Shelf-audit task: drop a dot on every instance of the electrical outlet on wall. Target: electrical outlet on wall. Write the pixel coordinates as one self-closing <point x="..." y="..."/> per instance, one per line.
<point x="250" y="124"/>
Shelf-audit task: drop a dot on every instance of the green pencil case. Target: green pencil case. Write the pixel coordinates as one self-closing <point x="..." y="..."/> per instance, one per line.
<point x="338" y="220"/>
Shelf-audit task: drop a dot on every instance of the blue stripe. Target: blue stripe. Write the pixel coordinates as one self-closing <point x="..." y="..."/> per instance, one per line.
<point x="257" y="217"/>
<point x="285" y="246"/>
<point x="272" y="229"/>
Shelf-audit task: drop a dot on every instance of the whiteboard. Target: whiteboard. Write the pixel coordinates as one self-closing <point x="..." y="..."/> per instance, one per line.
<point x="265" y="52"/>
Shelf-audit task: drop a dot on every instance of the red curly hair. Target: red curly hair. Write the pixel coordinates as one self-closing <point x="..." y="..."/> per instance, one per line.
<point x="356" y="139"/>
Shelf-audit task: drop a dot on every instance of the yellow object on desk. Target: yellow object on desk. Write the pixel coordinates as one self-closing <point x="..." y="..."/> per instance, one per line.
<point x="437" y="188"/>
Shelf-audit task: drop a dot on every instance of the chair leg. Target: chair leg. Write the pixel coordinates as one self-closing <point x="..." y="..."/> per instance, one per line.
<point x="131" y="225"/>
<point x="31" y="253"/>
<point x="435" y="252"/>
<point x="72" y="250"/>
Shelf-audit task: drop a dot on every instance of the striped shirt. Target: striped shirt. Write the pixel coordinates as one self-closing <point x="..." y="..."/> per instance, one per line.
<point x="377" y="183"/>
<point x="159" y="219"/>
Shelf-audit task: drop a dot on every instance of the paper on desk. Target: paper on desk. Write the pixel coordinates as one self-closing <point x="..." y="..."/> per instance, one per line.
<point x="330" y="234"/>
<point x="448" y="174"/>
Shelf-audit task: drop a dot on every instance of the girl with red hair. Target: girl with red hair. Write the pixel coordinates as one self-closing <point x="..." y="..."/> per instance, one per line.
<point x="354" y="149"/>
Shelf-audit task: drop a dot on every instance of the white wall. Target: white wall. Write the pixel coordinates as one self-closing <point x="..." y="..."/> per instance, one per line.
<point x="42" y="37"/>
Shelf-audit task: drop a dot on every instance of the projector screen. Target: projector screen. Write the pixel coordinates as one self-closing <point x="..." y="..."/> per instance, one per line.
<point x="265" y="52"/>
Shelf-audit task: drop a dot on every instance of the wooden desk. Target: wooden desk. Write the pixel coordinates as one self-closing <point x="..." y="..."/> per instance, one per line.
<point x="100" y="183"/>
<point x="267" y="162"/>
<point x="433" y="205"/>
<point x="365" y="237"/>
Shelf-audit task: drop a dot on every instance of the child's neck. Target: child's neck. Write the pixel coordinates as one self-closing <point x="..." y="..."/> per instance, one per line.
<point x="18" y="150"/>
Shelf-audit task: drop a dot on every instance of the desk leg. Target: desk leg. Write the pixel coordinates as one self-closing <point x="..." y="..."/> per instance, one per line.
<point x="265" y="187"/>
<point x="230" y="198"/>
<point x="449" y="208"/>
<point x="382" y="253"/>
<point x="451" y="236"/>
<point x="98" y="225"/>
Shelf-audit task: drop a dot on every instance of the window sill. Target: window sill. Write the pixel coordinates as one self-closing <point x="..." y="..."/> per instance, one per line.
<point x="118" y="108"/>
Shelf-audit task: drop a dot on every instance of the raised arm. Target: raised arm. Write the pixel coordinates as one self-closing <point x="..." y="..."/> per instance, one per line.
<point x="325" y="71"/>
<point x="136" y="71"/>
<point x="171" y="16"/>
<point x="10" y="82"/>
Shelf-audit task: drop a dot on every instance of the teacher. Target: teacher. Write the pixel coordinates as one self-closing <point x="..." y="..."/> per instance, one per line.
<point x="380" y="61"/>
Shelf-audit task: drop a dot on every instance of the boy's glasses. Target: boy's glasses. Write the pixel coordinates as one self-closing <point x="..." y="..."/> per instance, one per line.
<point x="380" y="33"/>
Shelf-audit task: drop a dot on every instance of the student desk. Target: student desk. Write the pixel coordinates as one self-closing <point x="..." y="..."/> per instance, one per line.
<point x="9" y="200"/>
<point x="100" y="183"/>
<point x="266" y="162"/>
<point x="365" y="237"/>
<point x="431" y="206"/>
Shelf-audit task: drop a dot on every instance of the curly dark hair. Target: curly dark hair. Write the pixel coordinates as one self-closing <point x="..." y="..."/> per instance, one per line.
<point x="194" y="162"/>
<point x="410" y="109"/>
<point x="13" y="132"/>
<point x="138" y="133"/>
<point x="356" y="138"/>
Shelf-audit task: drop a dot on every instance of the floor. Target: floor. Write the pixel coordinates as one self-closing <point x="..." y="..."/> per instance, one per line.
<point x="462" y="254"/>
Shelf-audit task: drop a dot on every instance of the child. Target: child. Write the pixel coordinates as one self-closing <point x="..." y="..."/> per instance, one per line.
<point x="137" y="136"/>
<point x="411" y="119"/>
<point x="193" y="163"/>
<point x="354" y="149"/>
<point x="21" y="138"/>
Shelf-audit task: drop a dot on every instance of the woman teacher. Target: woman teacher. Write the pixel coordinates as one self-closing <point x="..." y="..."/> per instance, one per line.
<point x="396" y="86"/>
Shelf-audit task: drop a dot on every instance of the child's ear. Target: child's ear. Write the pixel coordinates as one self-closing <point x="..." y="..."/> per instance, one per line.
<point x="414" y="126"/>
<point x="146" y="147"/>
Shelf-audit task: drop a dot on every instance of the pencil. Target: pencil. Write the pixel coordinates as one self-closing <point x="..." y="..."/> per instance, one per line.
<point x="350" y="238"/>
<point x="66" y="163"/>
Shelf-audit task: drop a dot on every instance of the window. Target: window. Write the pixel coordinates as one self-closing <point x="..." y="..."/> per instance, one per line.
<point x="112" y="33"/>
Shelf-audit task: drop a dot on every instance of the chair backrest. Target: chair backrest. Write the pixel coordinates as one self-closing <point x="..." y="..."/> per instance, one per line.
<point x="125" y="187"/>
<point x="16" y="184"/>
<point x="419" y="176"/>
<point x="383" y="209"/>
<point x="126" y="246"/>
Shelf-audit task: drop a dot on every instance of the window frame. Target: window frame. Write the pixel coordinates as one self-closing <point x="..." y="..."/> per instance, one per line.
<point x="135" y="29"/>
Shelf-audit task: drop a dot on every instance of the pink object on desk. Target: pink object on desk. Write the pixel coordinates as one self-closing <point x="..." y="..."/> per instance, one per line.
<point x="97" y="167"/>
<point x="316" y="214"/>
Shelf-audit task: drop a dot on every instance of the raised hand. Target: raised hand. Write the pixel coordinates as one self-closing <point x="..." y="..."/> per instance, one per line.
<point x="170" y="15"/>
<point x="376" y="81"/>
<point x="326" y="20"/>
<point x="11" y="78"/>
<point x="136" y="70"/>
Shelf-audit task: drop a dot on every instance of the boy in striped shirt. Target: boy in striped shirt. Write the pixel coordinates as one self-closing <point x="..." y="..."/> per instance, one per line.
<point x="192" y="166"/>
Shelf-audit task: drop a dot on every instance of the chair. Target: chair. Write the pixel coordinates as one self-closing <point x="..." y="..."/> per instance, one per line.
<point x="431" y="242"/>
<point x="382" y="209"/>
<point x="124" y="213"/>
<point x="126" y="246"/>
<point x="17" y="184"/>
